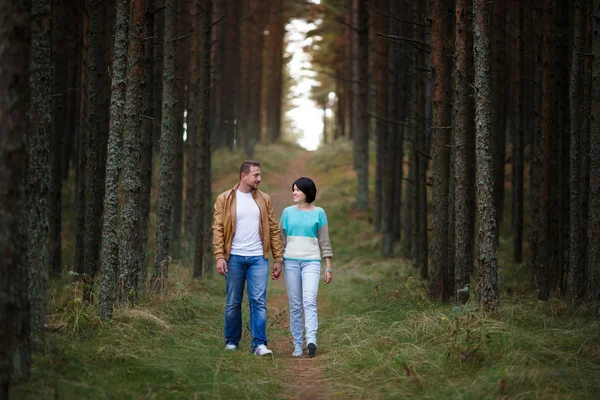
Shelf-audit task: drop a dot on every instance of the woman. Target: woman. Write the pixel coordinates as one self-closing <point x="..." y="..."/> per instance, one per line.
<point x="305" y="239"/>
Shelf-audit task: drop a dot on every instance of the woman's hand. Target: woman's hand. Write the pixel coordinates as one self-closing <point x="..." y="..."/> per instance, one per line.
<point x="328" y="277"/>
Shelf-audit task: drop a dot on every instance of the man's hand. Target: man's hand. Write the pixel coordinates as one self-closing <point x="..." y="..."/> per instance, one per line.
<point x="222" y="266"/>
<point x="276" y="270"/>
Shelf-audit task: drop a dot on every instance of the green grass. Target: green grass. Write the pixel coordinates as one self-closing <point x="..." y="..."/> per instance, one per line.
<point x="379" y="336"/>
<point x="385" y="339"/>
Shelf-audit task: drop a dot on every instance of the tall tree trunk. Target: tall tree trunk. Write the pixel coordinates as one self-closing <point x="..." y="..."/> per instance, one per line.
<point x="182" y="52"/>
<point x="560" y="147"/>
<point x="60" y="89"/>
<point x="167" y="148"/>
<point x="146" y="141"/>
<point x="463" y="125"/>
<point x="442" y="102"/>
<point x="585" y="137"/>
<point x="94" y="185"/>
<point x="207" y="145"/>
<point x="386" y="138"/>
<point x="518" y="134"/>
<point x="193" y="94"/>
<point x="231" y="106"/>
<point x="159" y="47"/>
<point x="203" y="171"/>
<point x="403" y="88"/>
<point x="130" y="249"/>
<point x="82" y="134"/>
<point x="275" y="81"/>
<point x="577" y="268"/>
<point x="500" y="101"/>
<point x="38" y="172"/>
<point x="360" y="103"/>
<point x="109" y="263"/>
<point x="489" y="297"/>
<point x="15" y="322"/>
<point x="541" y="173"/>
<point x="593" y="272"/>
<point x="407" y="209"/>
<point x="382" y="55"/>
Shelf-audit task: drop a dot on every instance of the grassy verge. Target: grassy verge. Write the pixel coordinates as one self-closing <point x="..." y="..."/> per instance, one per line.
<point x="379" y="336"/>
<point x="166" y="348"/>
<point x="382" y="338"/>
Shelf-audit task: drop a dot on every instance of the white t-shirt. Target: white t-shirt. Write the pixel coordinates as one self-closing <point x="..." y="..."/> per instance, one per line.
<point x="246" y="240"/>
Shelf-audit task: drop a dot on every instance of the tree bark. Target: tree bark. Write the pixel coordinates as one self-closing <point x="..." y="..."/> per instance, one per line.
<point x="463" y="126"/>
<point x="577" y="268"/>
<point x="387" y="140"/>
<point x="167" y="148"/>
<point x="489" y="297"/>
<point x="360" y="104"/>
<point x="500" y="100"/>
<point x="94" y="185"/>
<point x="60" y="89"/>
<point x="82" y="134"/>
<point x="518" y="133"/>
<point x="541" y="171"/>
<point x="182" y="52"/>
<point x="203" y="171"/>
<point x="593" y="272"/>
<point x="275" y="82"/>
<point x="38" y="172"/>
<point x="146" y="141"/>
<point x="193" y="95"/>
<point x="130" y="249"/>
<point x="15" y="322"/>
<point x="442" y="102"/>
<point x="109" y="263"/>
<point x="159" y="46"/>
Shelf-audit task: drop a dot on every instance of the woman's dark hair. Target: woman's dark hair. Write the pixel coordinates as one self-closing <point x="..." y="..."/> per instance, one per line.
<point x="307" y="186"/>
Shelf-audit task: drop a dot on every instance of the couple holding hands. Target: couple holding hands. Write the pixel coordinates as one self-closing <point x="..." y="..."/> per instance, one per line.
<point x="245" y="231"/>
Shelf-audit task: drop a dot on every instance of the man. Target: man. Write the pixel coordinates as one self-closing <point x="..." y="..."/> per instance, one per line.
<point x="244" y="232"/>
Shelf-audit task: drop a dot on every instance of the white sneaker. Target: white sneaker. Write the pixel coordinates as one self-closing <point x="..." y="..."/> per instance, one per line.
<point x="297" y="351"/>
<point x="262" y="350"/>
<point x="230" y="347"/>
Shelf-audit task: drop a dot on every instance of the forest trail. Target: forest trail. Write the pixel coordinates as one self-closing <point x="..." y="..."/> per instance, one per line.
<point x="307" y="377"/>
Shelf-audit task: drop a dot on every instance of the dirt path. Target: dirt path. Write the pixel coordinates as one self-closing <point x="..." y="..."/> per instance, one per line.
<point x="307" y="377"/>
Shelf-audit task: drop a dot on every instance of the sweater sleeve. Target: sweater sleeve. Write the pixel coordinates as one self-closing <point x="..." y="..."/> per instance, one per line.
<point x="323" y="235"/>
<point x="282" y="230"/>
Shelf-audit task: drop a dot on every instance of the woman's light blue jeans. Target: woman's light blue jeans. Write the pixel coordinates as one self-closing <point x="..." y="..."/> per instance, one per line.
<point x="302" y="282"/>
<point x="254" y="271"/>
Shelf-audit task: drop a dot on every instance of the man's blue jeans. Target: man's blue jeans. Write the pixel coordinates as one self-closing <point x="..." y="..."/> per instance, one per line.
<point x="255" y="271"/>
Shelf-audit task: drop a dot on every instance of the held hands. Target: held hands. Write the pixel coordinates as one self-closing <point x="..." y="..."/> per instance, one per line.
<point x="328" y="275"/>
<point x="276" y="270"/>
<point x="222" y="266"/>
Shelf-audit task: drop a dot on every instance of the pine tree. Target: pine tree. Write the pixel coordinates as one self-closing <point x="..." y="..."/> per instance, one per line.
<point x="167" y="146"/>
<point x="38" y="172"/>
<point x="489" y="296"/>
<point x="15" y="323"/>
<point x="109" y="262"/>
<point x="130" y="256"/>
<point x="463" y="126"/>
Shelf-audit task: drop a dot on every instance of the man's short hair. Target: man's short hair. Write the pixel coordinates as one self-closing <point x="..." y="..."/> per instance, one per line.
<point x="245" y="167"/>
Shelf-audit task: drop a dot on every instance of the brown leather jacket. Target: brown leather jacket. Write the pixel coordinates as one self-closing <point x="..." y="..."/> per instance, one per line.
<point x="224" y="224"/>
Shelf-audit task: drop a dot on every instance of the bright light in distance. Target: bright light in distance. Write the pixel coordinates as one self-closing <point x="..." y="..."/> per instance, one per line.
<point x="305" y="114"/>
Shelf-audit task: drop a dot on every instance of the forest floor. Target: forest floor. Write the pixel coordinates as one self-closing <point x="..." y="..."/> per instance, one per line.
<point x="379" y="335"/>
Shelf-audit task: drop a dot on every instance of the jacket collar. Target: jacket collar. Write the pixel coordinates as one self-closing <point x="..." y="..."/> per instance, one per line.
<point x="236" y="187"/>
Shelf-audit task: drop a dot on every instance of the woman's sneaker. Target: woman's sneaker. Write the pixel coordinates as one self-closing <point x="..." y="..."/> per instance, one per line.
<point x="230" y="347"/>
<point x="312" y="349"/>
<point x="262" y="350"/>
<point x="297" y="351"/>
